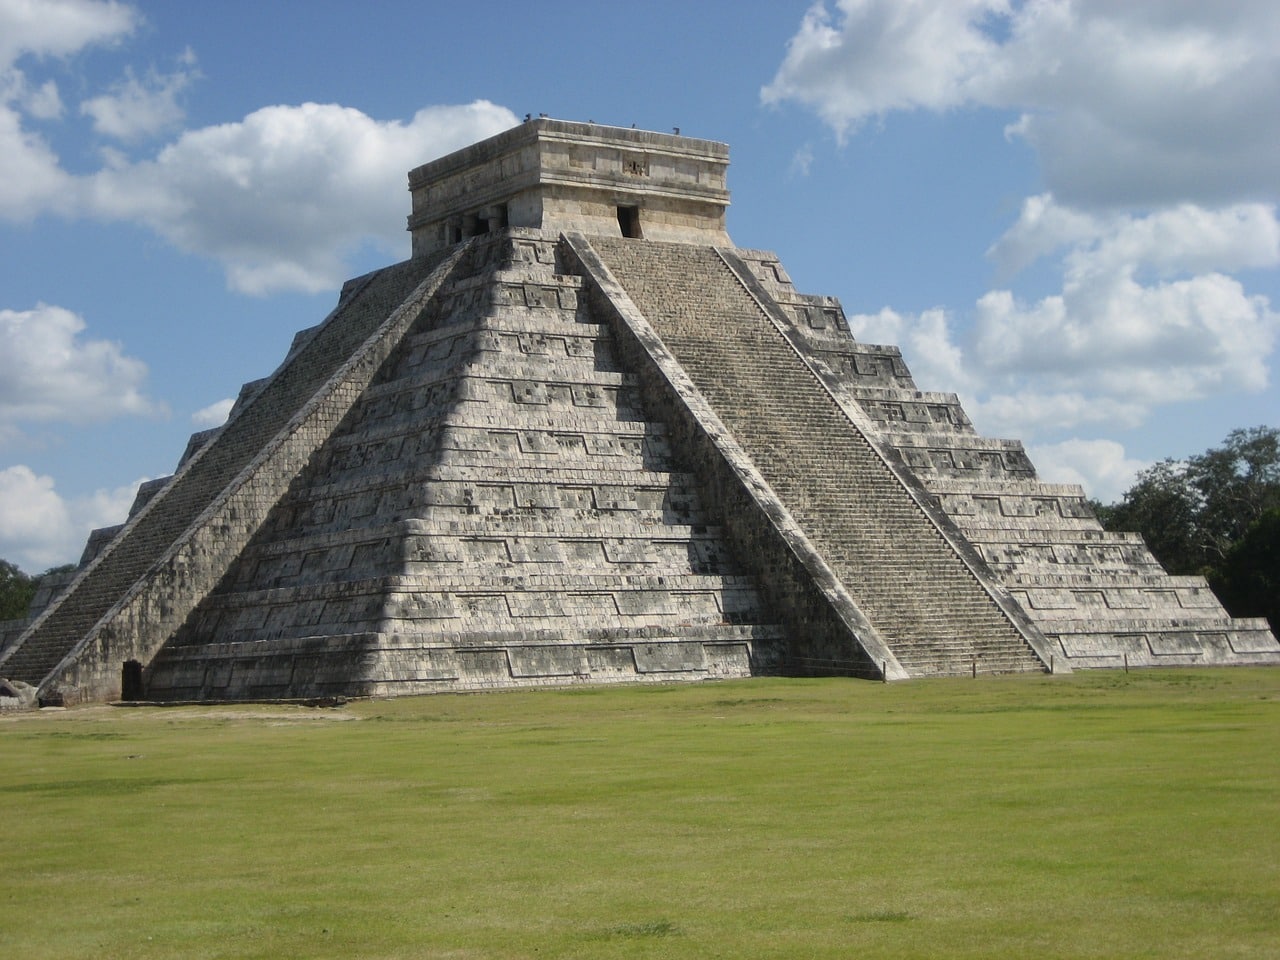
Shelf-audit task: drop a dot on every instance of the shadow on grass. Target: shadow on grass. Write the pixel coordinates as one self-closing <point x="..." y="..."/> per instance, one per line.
<point x="882" y="916"/>
<point x="638" y="931"/>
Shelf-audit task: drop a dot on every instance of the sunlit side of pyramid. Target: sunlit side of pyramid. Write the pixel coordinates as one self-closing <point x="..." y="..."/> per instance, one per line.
<point x="580" y="438"/>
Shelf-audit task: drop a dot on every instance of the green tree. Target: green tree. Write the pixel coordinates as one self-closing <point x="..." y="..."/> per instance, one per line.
<point x="1162" y="506"/>
<point x="1214" y="514"/>
<point x="16" y="591"/>
<point x="17" y="588"/>
<point x="1235" y="484"/>
<point x="1247" y="580"/>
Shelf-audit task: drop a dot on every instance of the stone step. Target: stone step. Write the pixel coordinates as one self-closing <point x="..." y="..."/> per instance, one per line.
<point x="174" y="510"/>
<point x="523" y="510"/>
<point x="862" y="520"/>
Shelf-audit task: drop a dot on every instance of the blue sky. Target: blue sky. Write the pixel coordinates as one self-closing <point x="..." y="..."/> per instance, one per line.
<point x="1065" y="211"/>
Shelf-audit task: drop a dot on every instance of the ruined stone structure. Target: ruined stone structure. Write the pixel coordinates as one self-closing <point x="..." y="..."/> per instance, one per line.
<point x="581" y="437"/>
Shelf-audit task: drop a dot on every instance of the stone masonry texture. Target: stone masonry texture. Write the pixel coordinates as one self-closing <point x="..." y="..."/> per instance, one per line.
<point x="581" y="438"/>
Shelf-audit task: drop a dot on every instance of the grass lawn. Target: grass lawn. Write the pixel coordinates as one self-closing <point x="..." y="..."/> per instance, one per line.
<point x="1098" y="815"/>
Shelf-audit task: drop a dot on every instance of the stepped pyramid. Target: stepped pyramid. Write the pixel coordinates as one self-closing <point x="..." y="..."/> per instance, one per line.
<point x="581" y="437"/>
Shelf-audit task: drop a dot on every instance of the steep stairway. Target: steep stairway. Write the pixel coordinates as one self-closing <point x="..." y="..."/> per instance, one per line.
<point x="142" y="544"/>
<point x="497" y="509"/>
<point x="904" y="575"/>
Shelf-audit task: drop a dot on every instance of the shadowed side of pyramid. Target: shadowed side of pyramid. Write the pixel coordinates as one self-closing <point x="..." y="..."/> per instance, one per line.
<point x="580" y="437"/>
<point x="497" y="509"/>
<point x="126" y="602"/>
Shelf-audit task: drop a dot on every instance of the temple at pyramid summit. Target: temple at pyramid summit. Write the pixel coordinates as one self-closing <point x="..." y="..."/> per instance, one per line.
<point x="580" y="437"/>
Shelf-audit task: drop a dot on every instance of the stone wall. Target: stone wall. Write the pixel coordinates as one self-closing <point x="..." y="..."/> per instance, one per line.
<point x="500" y="507"/>
<point x="555" y="175"/>
<point x="1099" y="598"/>
<point x="126" y="603"/>
<point x="923" y="598"/>
<point x="546" y="451"/>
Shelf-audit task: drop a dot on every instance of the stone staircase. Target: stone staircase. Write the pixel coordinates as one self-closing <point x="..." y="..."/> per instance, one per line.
<point x="497" y="509"/>
<point x="500" y="477"/>
<point x="930" y="607"/>
<point x="1099" y="598"/>
<point x="114" y="576"/>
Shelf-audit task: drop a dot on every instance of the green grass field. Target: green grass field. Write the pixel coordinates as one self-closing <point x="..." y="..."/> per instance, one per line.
<point x="1097" y="815"/>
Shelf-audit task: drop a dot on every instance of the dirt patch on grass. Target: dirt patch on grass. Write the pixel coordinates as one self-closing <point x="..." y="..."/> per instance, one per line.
<point x="103" y="712"/>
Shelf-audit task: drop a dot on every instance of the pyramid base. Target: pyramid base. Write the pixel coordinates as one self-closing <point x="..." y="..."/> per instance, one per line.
<point x="380" y="664"/>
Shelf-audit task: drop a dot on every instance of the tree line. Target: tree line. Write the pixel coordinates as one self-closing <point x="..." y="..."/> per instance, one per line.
<point x="1216" y="514"/>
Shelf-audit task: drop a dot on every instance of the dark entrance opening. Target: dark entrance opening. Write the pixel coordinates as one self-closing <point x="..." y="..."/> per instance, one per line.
<point x="629" y="222"/>
<point x="131" y="681"/>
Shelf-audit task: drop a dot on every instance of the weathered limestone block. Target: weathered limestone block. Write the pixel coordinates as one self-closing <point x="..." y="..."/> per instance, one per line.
<point x="598" y="445"/>
<point x="16" y="695"/>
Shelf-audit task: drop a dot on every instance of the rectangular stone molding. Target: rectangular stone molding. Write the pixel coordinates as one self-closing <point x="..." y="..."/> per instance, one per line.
<point x="137" y="592"/>
<point x="581" y="438"/>
<point x="554" y="175"/>
<point x="793" y="440"/>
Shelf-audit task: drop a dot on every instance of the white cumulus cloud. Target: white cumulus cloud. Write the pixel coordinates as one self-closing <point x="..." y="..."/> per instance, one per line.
<point x="42" y="102"/>
<point x="50" y="372"/>
<point x="937" y="362"/>
<point x="1029" y="410"/>
<point x="1179" y="340"/>
<point x="1148" y="313"/>
<point x="40" y="529"/>
<point x="283" y="196"/>
<point x="32" y="180"/>
<point x="874" y="57"/>
<point x="60" y="27"/>
<point x="1154" y="127"/>
<point x="1183" y="238"/>
<point x="214" y="415"/>
<point x="1106" y="352"/>
<point x="137" y="108"/>
<point x="1100" y="466"/>
<point x="1125" y="103"/>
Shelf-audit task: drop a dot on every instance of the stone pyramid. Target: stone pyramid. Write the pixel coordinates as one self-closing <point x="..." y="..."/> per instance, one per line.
<point x="579" y="437"/>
